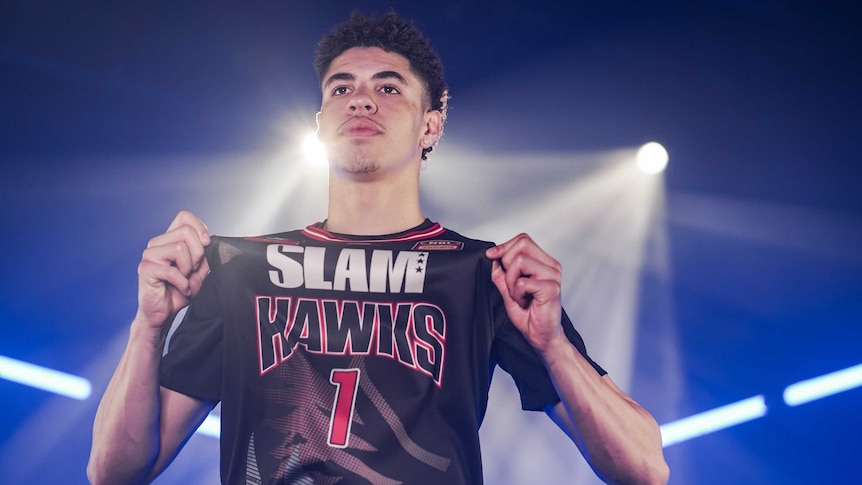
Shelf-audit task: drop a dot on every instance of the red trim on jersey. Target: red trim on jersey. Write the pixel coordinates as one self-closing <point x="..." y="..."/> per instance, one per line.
<point x="316" y="232"/>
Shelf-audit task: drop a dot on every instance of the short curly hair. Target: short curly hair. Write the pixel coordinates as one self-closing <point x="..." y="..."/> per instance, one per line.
<point x="392" y="34"/>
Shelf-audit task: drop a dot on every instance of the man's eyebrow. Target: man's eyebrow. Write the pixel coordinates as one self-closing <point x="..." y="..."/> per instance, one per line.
<point x="390" y="75"/>
<point x="346" y="76"/>
<point x="339" y="76"/>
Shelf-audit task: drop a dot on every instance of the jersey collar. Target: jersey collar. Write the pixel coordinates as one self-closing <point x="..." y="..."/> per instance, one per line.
<point x="427" y="229"/>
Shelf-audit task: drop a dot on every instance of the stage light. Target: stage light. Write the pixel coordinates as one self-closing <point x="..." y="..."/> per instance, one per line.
<point x="825" y="385"/>
<point x="652" y="158"/>
<point x="713" y="420"/>
<point x="44" y="378"/>
<point x="313" y="150"/>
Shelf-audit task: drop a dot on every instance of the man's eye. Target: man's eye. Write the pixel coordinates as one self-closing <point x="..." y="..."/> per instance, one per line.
<point x="389" y="90"/>
<point x="339" y="91"/>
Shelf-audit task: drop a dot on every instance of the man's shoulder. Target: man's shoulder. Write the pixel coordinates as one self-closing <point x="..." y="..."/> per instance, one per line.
<point x="465" y="240"/>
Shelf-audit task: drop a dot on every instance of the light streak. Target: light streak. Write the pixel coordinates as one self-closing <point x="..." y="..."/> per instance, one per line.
<point x="823" y="386"/>
<point x="713" y="420"/>
<point x="43" y="378"/>
<point x="674" y="432"/>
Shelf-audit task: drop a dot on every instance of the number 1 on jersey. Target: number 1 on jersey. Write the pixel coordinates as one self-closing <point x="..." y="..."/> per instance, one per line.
<point x="346" y="382"/>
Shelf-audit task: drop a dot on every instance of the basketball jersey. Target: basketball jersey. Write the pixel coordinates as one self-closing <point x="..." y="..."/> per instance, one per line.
<point x="352" y="359"/>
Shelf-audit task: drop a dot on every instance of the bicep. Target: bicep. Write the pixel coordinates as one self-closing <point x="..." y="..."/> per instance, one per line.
<point x="180" y="416"/>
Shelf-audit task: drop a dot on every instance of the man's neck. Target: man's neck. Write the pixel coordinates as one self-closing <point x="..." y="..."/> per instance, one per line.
<point x="374" y="207"/>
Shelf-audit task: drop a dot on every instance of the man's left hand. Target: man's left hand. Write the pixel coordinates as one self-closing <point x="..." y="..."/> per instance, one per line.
<point x="529" y="281"/>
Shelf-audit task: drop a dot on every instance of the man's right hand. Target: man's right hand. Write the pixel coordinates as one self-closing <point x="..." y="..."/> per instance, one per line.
<point x="172" y="270"/>
<point x="139" y="425"/>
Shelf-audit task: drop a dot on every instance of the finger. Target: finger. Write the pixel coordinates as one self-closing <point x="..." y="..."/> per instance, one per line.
<point x="498" y="277"/>
<point x="499" y="250"/>
<point x="520" y="270"/>
<point x="533" y="290"/>
<point x="522" y="264"/>
<point x="186" y="218"/>
<point x="185" y="235"/>
<point x="176" y="254"/>
<point x="510" y="286"/>
<point x="160" y="276"/>
<point x="197" y="278"/>
<point x="518" y="244"/>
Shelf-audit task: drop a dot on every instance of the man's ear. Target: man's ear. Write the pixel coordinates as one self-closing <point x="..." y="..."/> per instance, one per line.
<point x="433" y="126"/>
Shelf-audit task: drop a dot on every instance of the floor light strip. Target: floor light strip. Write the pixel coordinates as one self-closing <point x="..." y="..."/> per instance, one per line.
<point x="43" y="378"/>
<point x="713" y="420"/>
<point x="825" y="385"/>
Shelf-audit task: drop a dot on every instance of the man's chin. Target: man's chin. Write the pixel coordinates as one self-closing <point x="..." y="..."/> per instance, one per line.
<point x="354" y="166"/>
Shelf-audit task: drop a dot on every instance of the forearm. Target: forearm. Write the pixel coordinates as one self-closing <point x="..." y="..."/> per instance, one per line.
<point x="621" y="440"/>
<point x="126" y="428"/>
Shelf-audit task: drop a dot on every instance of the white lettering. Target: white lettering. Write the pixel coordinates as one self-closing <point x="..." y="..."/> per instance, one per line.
<point x="408" y="269"/>
<point x="402" y="274"/>
<point x="288" y="272"/>
<point x="351" y="266"/>
<point x="314" y="279"/>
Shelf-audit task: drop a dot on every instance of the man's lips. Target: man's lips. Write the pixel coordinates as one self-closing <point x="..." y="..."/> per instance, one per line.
<point x="360" y="126"/>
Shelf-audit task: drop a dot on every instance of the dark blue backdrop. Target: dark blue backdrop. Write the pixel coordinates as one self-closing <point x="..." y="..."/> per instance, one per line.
<point x="115" y="116"/>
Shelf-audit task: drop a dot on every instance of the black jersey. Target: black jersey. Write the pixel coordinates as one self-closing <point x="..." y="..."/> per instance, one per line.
<point x="351" y="360"/>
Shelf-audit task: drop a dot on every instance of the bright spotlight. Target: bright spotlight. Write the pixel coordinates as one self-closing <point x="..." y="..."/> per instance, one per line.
<point x="652" y="158"/>
<point x="313" y="150"/>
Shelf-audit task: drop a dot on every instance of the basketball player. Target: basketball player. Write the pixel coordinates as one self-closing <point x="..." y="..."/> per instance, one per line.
<point x="360" y="349"/>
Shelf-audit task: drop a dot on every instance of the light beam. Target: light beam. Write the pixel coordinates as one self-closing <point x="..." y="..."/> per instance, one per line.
<point x="313" y="150"/>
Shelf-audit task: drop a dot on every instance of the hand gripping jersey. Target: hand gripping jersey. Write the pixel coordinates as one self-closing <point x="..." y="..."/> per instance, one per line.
<point x="351" y="360"/>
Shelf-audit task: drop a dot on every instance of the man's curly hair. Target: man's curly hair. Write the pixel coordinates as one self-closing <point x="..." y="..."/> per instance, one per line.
<point x="392" y="34"/>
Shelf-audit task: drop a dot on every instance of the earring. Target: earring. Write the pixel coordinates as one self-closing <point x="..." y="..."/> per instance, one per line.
<point x="426" y="142"/>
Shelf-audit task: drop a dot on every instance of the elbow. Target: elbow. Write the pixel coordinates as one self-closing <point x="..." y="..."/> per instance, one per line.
<point x="656" y="472"/>
<point x="95" y="474"/>
<point x="101" y="470"/>
<point x="650" y="472"/>
<point x="654" y="467"/>
<point x="659" y="473"/>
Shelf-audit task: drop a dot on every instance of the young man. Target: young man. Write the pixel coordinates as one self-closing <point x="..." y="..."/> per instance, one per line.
<point x="360" y="349"/>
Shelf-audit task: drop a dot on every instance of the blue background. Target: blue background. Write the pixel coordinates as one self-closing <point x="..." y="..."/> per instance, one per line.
<point x="115" y="116"/>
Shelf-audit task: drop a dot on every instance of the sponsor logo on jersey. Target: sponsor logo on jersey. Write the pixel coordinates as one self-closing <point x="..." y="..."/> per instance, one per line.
<point x="438" y="245"/>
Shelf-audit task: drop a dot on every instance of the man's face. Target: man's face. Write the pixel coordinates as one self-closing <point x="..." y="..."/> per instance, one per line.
<point x="373" y="117"/>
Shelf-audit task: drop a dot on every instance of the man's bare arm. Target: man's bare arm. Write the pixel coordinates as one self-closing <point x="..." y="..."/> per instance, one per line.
<point x="139" y="425"/>
<point x="619" y="439"/>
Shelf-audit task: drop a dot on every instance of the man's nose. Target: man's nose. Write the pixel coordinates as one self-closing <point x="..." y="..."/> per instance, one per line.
<point x="362" y="103"/>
